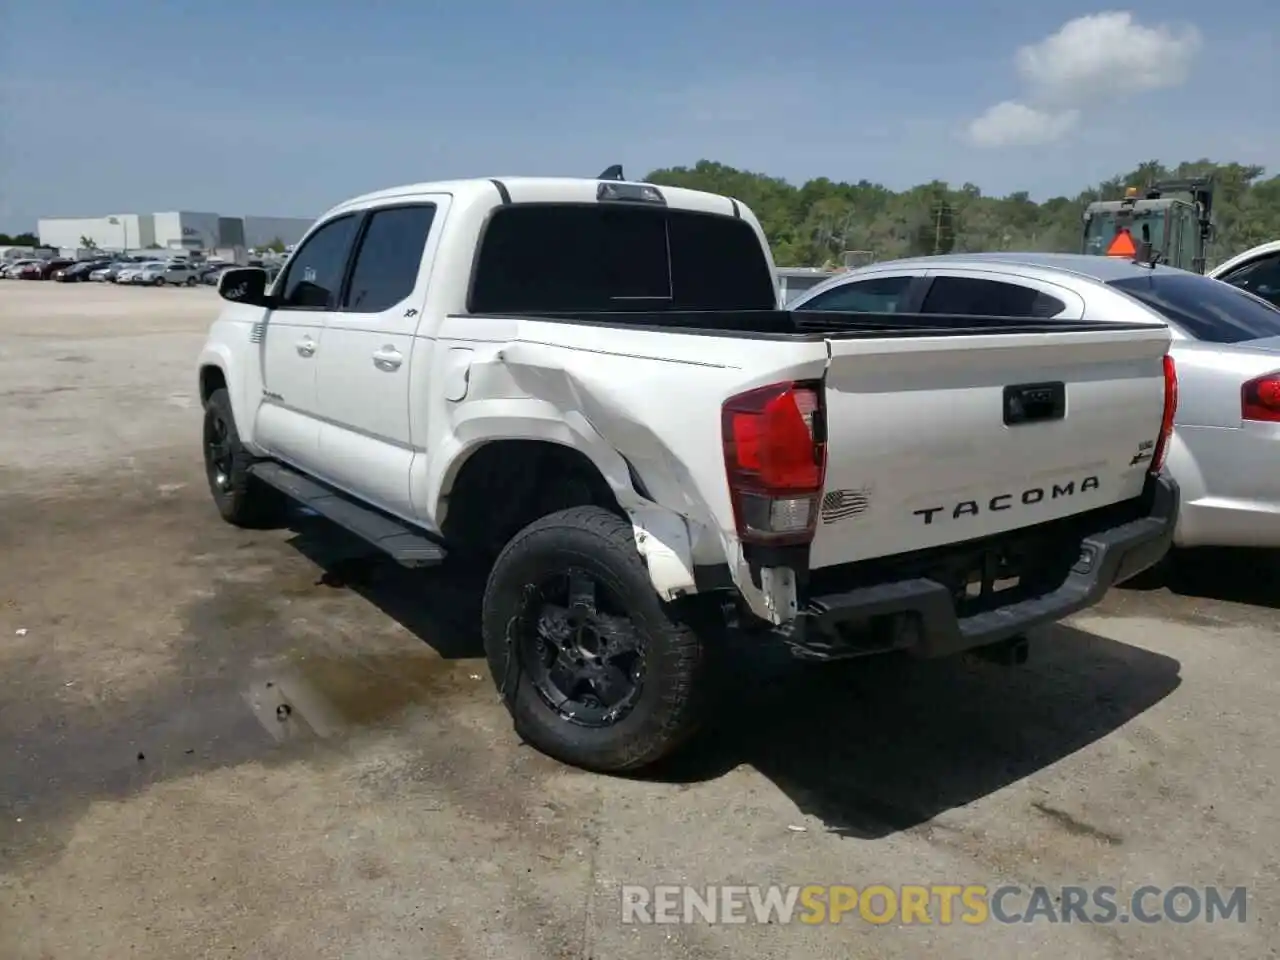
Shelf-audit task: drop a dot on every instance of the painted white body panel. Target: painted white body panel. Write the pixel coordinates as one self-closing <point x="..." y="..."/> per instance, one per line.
<point x="1228" y="471"/>
<point x="914" y="418"/>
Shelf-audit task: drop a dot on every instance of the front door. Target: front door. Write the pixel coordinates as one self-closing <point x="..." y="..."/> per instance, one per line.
<point x="367" y="407"/>
<point x="292" y="339"/>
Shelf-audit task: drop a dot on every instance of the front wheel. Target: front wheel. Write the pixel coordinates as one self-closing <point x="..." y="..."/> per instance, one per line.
<point x="159" y="282"/>
<point x="241" y="498"/>
<point x="595" y="670"/>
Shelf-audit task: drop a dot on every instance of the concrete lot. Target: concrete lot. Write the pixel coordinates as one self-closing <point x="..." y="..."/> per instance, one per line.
<point x="154" y="804"/>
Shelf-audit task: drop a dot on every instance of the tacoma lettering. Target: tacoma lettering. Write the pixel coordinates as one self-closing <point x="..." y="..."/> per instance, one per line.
<point x="1003" y="501"/>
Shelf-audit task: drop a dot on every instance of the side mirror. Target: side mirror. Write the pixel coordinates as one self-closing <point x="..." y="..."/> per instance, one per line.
<point x="246" y="285"/>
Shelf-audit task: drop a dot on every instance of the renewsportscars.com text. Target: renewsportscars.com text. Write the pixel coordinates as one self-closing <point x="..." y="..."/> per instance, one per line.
<point x="942" y="904"/>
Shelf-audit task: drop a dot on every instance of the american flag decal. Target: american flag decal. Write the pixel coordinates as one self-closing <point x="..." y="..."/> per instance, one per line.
<point x="257" y="332"/>
<point x="841" y="504"/>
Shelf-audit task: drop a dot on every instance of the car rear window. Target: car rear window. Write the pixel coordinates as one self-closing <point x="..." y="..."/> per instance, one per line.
<point x="1205" y="309"/>
<point x="600" y="257"/>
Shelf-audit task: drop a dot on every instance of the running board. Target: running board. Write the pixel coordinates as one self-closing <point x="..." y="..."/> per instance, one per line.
<point x="406" y="545"/>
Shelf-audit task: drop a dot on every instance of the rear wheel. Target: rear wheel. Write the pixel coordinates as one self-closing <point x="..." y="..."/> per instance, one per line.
<point x="191" y="281"/>
<point x="159" y="282"/>
<point x="596" y="671"/>
<point x="241" y="498"/>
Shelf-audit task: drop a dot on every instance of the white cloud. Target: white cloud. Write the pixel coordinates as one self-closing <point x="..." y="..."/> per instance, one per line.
<point x="1108" y="54"/>
<point x="1091" y="59"/>
<point x="1013" y="124"/>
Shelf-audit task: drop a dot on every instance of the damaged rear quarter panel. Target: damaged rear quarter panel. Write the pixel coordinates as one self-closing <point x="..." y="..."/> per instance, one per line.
<point x="651" y="397"/>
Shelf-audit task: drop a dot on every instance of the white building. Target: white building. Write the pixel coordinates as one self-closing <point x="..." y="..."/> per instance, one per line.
<point x="173" y="230"/>
<point x="122" y="231"/>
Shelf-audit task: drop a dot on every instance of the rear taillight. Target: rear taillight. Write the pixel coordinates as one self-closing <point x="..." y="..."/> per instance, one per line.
<point x="1170" y="408"/>
<point x="775" y="458"/>
<point x="1260" y="399"/>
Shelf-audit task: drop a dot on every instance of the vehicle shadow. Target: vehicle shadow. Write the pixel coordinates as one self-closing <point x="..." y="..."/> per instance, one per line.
<point x="440" y="607"/>
<point x="1235" y="575"/>
<point x="869" y="747"/>
<point x="876" y="746"/>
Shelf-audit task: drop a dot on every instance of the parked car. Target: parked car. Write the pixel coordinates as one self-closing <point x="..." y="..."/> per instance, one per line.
<point x="131" y="271"/>
<point x="111" y="272"/>
<point x="13" y="268"/>
<point x="79" y="272"/>
<point x="1226" y="345"/>
<point x="159" y="274"/>
<point x="587" y="390"/>
<point x="43" y="269"/>
<point x="210" y="272"/>
<point x="1256" y="270"/>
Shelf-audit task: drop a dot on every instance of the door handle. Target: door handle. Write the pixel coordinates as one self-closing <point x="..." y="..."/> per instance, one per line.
<point x="388" y="358"/>
<point x="306" y="347"/>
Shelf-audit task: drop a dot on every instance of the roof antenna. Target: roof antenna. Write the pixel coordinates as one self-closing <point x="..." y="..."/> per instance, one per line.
<point x="612" y="173"/>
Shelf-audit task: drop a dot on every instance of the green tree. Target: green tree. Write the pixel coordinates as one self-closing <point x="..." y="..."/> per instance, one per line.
<point x="275" y="246"/>
<point x="822" y="220"/>
<point x="88" y="243"/>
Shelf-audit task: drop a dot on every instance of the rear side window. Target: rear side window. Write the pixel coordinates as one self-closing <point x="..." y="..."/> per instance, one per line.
<point x="877" y="295"/>
<point x="599" y="257"/>
<point x="389" y="258"/>
<point x="974" y="297"/>
<point x="1205" y="309"/>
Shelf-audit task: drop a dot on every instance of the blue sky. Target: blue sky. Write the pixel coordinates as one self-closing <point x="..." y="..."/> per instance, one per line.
<point x="289" y="107"/>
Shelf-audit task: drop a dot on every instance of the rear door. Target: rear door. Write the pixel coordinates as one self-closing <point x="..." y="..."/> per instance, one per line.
<point x="941" y="439"/>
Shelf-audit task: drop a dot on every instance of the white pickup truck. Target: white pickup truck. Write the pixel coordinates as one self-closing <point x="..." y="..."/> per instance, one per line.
<point x="589" y="386"/>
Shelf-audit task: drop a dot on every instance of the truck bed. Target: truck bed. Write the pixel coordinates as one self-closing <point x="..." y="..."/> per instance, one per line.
<point x="816" y="325"/>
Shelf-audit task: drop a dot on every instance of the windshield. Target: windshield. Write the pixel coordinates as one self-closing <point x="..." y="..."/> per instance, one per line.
<point x="1204" y="309"/>
<point x="1102" y="228"/>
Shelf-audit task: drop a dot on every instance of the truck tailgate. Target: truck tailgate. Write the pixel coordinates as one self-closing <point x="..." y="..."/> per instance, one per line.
<point x="940" y="439"/>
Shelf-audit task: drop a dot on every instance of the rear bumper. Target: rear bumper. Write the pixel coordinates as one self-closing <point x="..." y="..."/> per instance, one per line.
<point x="921" y="615"/>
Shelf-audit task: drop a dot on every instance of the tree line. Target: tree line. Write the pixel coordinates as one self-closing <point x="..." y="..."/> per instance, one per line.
<point x="819" y="222"/>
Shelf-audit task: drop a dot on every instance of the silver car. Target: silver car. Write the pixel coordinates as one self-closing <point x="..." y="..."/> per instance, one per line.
<point x="1225" y="452"/>
<point x="171" y="273"/>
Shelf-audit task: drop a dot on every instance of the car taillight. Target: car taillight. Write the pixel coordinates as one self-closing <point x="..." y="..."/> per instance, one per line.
<point x="1170" y="408"/>
<point x="1260" y="399"/>
<point x="775" y="459"/>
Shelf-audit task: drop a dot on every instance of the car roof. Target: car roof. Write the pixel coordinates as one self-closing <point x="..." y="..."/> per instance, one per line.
<point x="1078" y="267"/>
<point x="524" y="189"/>
<point x="1092" y="266"/>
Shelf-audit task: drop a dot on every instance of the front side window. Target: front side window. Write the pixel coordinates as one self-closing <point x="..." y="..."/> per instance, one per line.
<point x="554" y="258"/>
<point x="315" y="273"/>
<point x="389" y="258"/>
<point x="876" y="295"/>
<point x="974" y="297"/>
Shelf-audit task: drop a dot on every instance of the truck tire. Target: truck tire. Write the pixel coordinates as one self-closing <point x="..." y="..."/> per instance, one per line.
<point x="610" y="681"/>
<point x="242" y="500"/>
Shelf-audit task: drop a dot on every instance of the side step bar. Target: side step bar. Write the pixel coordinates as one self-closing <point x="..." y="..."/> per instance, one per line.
<point x="406" y="545"/>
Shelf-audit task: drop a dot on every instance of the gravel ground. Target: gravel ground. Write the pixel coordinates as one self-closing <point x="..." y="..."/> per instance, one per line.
<point x="221" y="743"/>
